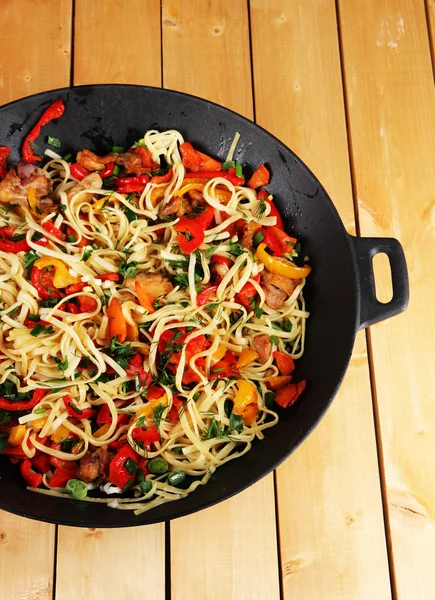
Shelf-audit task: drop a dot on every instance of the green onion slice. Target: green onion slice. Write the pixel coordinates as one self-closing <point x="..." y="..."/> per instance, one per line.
<point x="78" y="489"/>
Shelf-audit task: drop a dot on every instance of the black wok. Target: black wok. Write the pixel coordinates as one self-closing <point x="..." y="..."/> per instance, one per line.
<point x="340" y="293"/>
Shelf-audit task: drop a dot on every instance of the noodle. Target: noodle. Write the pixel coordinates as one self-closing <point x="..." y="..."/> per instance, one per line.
<point x="59" y="343"/>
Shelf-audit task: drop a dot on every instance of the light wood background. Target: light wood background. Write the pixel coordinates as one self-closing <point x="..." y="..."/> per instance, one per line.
<point x="349" y="86"/>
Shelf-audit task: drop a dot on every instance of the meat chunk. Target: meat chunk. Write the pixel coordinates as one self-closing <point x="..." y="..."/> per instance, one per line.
<point x="91" y="162"/>
<point x="155" y="284"/>
<point x="262" y="345"/>
<point x="93" y="180"/>
<point x="279" y="281"/>
<point x="275" y="297"/>
<point x="219" y="270"/>
<point x="173" y="207"/>
<point x="15" y="187"/>
<point x="137" y="161"/>
<point x="249" y="230"/>
<point x="95" y="466"/>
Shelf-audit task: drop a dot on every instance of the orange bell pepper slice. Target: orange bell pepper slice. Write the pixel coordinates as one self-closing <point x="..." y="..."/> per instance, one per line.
<point x="145" y="299"/>
<point x="117" y="322"/>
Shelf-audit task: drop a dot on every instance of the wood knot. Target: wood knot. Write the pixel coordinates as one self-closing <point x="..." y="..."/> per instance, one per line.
<point x="93" y="532"/>
<point x="293" y="566"/>
<point x="169" y="22"/>
<point x="3" y="537"/>
<point x="217" y="31"/>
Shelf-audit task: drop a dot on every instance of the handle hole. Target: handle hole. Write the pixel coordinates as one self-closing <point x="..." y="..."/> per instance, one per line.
<point x="383" y="281"/>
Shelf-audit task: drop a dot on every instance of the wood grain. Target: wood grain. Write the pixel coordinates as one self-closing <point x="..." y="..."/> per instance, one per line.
<point x="107" y="560"/>
<point x="392" y="118"/>
<point x="31" y="63"/>
<point x="118" y="41"/>
<point x="206" y="52"/>
<point x="36" y="47"/>
<point x="329" y="500"/>
<point x="110" y="563"/>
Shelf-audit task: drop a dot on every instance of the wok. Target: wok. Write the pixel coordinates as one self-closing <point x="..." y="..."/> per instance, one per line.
<point x="340" y="292"/>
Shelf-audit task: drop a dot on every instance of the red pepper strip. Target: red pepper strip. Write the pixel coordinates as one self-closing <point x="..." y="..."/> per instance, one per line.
<point x="151" y="434"/>
<point x="162" y="178"/>
<point x="193" y="160"/>
<point x="190" y="376"/>
<point x="135" y="365"/>
<point x="87" y="304"/>
<point x="196" y="345"/>
<point x="31" y="324"/>
<point x="41" y="462"/>
<point x="78" y="172"/>
<point x="30" y="477"/>
<point x="271" y="241"/>
<point x="61" y="477"/>
<point x="7" y="232"/>
<point x="205" y="218"/>
<point x="263" y="195"/>
<point x="227" y="367"/>
<point x="108" y="171"/>
<point x="173" y="413"/>
<point x="154" y="392"/>
<point x="284" y="362"/>
<point x="118" y="474"/>
<point x="287" y="395"/>
<point x="247" y="294"/>
<point x="50" y="228"/>
<point x="14" y="247"/>
<point x="146" y="158"/>
<point x="74" y="411"/>
<point x="15" y="452"/>
<point x="68" y="465"/>
<point x="73" y="308"/>
<point x="212" y="174"/>
<point x="286" y="242"/>
<point x="42" y="281"/>
<point x="4" y="153"/>
<point x="204" y="296"/>
<point x="130" y="185"/>
<point x="108" y="277"/>
<point x="105" y="416"/>
<point x="54" y="111"/>
<point x="260" y="177"/>
<point x="42" y="242"/>
<point x="9" y="405"/>
<point x="221" y="260"/>
<point x="196" y="232"/>
<point x="74" y="288"/>
<point x="71" y="231"/>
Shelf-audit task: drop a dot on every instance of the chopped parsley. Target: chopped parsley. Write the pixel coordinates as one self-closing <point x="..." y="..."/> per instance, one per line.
<point x="127" y="269"/>
<point x="236" y="249"/>
<point x="40" y="328"/>
<point x="62" y="365"/>
<point x="121" y="352"/>
<point x="86" y="254"/>
<point x="274" y="340"/>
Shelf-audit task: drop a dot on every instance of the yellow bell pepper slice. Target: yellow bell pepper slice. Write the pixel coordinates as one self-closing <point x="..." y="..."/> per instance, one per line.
<point x="148" y="410"/>
<point x="280" y="266"/>
<point x="38" y="424"/>
<point x="60" y="433"/>
<point x="246" y="357"/>
<point x="31" y="199"/>
<point x="99" y="204"/>
<point x="16" y="435"/>
<point x="246" y="401"/>
<point x="218" y="354"/>
<point x="62" y="277"/>
<point x="102" y="430"/>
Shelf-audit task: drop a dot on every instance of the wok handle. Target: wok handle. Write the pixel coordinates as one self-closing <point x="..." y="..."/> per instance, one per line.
<point x="371" y="310"/>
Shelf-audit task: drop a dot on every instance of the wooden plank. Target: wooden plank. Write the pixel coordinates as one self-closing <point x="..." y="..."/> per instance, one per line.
<point x="233" y="558"/>
<point x="332" y="538"/>
<point x="392" y="118"/>
<point x="118" y="41"/>
<point x="36" y="47"/>
<point x="114" y="52"/>
<point x="31" y="63"/>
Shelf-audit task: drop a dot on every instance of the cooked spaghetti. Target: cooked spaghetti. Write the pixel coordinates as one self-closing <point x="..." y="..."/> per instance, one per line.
<point x="151" y="311"/>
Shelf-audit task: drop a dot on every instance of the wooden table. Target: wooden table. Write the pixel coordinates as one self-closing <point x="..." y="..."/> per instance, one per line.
<point x="349" y="86"/>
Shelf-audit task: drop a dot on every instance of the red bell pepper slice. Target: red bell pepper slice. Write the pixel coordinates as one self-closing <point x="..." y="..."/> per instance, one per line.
<point x="72" y="308"/>
<point x="118" y="474"/>
<point x="108" y="277"/>
<point x="31" y="324"/>
<point x="149" y="435"/>
<point x="286" y="242"/>
<point x="78" y="172"/>
<point x="225" y="368"/>
<point x="260" y="177"/>
<point x="196" y="345"/>
<point x="284" y="362"/>
<point x="130" y="185"/>
<point x="287" y="395"/>
<point x="61" y="477"/>
<point x="7" y="232"/>
<point x="271" y="241"/>
<point x="190" y="376"/>
<point x="212" y="174"/>
<point x="154" y="392"/>
<point x="75" y="287"/>
<point x="146" y="158"/>
<point x="74" y="411"/>
<point x="173" y="414"/>
<point x="105" y="416"/>
<point x="14" y="247"/>
<point x="42" y="281"/>
<point x="66" y="465"/>
<point x="10" y="405"/>
<point x="108" y="171"/>
<point x="87" y="304"/>
<point x="4" y="153"/>
<point x="263" y="195"/>
<point x="29" y="475"/>
<point x="135" y="365"/>
<point x="196" y="232"/>
<point x="205" y="218"/>
<point x="41" y="462"/>
<point x="247" y="294"/>
<point x="50" y="228"/>
<point x="204" y="296"/>
<point x="15" y="452"/>
<point x="162" y="178"/>
<point x="54" y="111"/>
<point x="71" y="231"/>
<point x="196" y="161"/>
